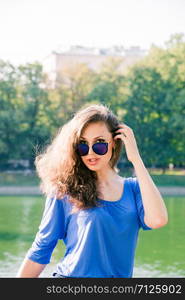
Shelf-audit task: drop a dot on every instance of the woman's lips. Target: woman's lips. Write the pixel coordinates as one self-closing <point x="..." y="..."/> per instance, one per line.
<point x="94" y="162"/>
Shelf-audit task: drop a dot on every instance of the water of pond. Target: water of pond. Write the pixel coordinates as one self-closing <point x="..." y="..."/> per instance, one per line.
<point x="160" y="252"/>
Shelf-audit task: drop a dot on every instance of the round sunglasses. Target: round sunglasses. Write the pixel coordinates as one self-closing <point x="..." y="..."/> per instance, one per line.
<point x="99" y="148"/>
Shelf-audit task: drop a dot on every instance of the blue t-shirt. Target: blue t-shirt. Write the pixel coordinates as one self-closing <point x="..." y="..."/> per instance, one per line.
<point x="100" y="241"/>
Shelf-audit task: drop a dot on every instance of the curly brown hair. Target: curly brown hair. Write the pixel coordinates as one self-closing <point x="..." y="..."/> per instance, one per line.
<point x="61" y="169"/>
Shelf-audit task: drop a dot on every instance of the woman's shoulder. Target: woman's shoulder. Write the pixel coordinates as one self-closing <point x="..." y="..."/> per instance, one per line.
<point x="57" y="198"/>
<point x="132" y="179"/>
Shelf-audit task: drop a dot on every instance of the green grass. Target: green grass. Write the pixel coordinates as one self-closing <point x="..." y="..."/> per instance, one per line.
<point x="13" y="179"/>
<point x="175" y="177"/>
<point x="170" y="178"/>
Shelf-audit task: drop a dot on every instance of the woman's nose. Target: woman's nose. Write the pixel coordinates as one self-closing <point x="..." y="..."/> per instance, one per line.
<point x="90" y="150"/>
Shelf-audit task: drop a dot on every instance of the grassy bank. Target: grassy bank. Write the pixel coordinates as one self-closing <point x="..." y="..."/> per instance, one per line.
<point x="170" y="178"/>
<point x="18" y="179"/>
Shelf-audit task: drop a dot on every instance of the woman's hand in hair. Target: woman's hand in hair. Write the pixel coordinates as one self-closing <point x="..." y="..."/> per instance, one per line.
<point x="126" y="134"/>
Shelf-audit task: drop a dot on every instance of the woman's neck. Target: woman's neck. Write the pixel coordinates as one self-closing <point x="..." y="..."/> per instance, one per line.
<point x="106" y="177"/>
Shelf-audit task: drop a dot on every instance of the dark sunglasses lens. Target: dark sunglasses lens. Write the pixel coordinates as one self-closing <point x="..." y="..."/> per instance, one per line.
<point x="100" y="148"/>
<point x="83" y="149"/>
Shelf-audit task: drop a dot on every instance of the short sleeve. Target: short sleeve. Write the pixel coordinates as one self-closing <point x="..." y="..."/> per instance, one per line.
<point x="52" y="228"/>
<point x="139" y="204"/>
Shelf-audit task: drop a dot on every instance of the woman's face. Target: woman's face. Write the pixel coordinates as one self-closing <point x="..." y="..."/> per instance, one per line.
<point x="94" y="133"/>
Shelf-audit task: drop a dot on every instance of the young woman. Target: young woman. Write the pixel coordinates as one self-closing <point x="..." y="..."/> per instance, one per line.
<point x="96" y="212"/>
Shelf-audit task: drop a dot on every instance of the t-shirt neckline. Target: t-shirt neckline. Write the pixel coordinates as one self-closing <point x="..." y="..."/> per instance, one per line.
<point x="123" y="193"/>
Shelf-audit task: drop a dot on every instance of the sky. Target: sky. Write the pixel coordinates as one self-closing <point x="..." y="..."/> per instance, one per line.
<point x="30" y="30"/>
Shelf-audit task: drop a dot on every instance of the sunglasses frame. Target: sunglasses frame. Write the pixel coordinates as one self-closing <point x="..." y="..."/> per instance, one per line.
<point x="107" y="143"/>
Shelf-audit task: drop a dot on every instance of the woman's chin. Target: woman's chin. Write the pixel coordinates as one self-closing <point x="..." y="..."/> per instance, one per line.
<point x="94" y="167"/>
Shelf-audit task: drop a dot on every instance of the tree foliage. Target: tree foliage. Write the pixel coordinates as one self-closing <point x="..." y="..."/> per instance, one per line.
<point x="149" y="97"/>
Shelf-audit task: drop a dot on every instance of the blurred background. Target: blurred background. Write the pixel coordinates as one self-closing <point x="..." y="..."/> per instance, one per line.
<point x="58" y="55"/>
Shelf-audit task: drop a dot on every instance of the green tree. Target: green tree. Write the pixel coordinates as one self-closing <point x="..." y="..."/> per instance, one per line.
<point x="165" y="94"/>
<point x="148" y="112"/>
<point x="72" y="87"/>
<point x="35" y="123"/>
<point x="10" y="112"/>
<point x="110" y="87"/>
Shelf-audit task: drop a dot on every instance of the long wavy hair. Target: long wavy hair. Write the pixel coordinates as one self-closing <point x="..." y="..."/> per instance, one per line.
<point x="60" y="167"/>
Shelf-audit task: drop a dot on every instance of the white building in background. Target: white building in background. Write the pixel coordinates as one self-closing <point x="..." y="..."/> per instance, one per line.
<point x="66" y="58"/>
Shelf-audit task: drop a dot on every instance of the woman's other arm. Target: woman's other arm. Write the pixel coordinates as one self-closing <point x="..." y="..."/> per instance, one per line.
<point x="30" y="269"/>
<point x="50" y="230"/>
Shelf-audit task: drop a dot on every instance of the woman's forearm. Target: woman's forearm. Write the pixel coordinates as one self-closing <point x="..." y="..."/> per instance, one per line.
<point x="155" y="210"/>
<point x="30" y="269"/>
